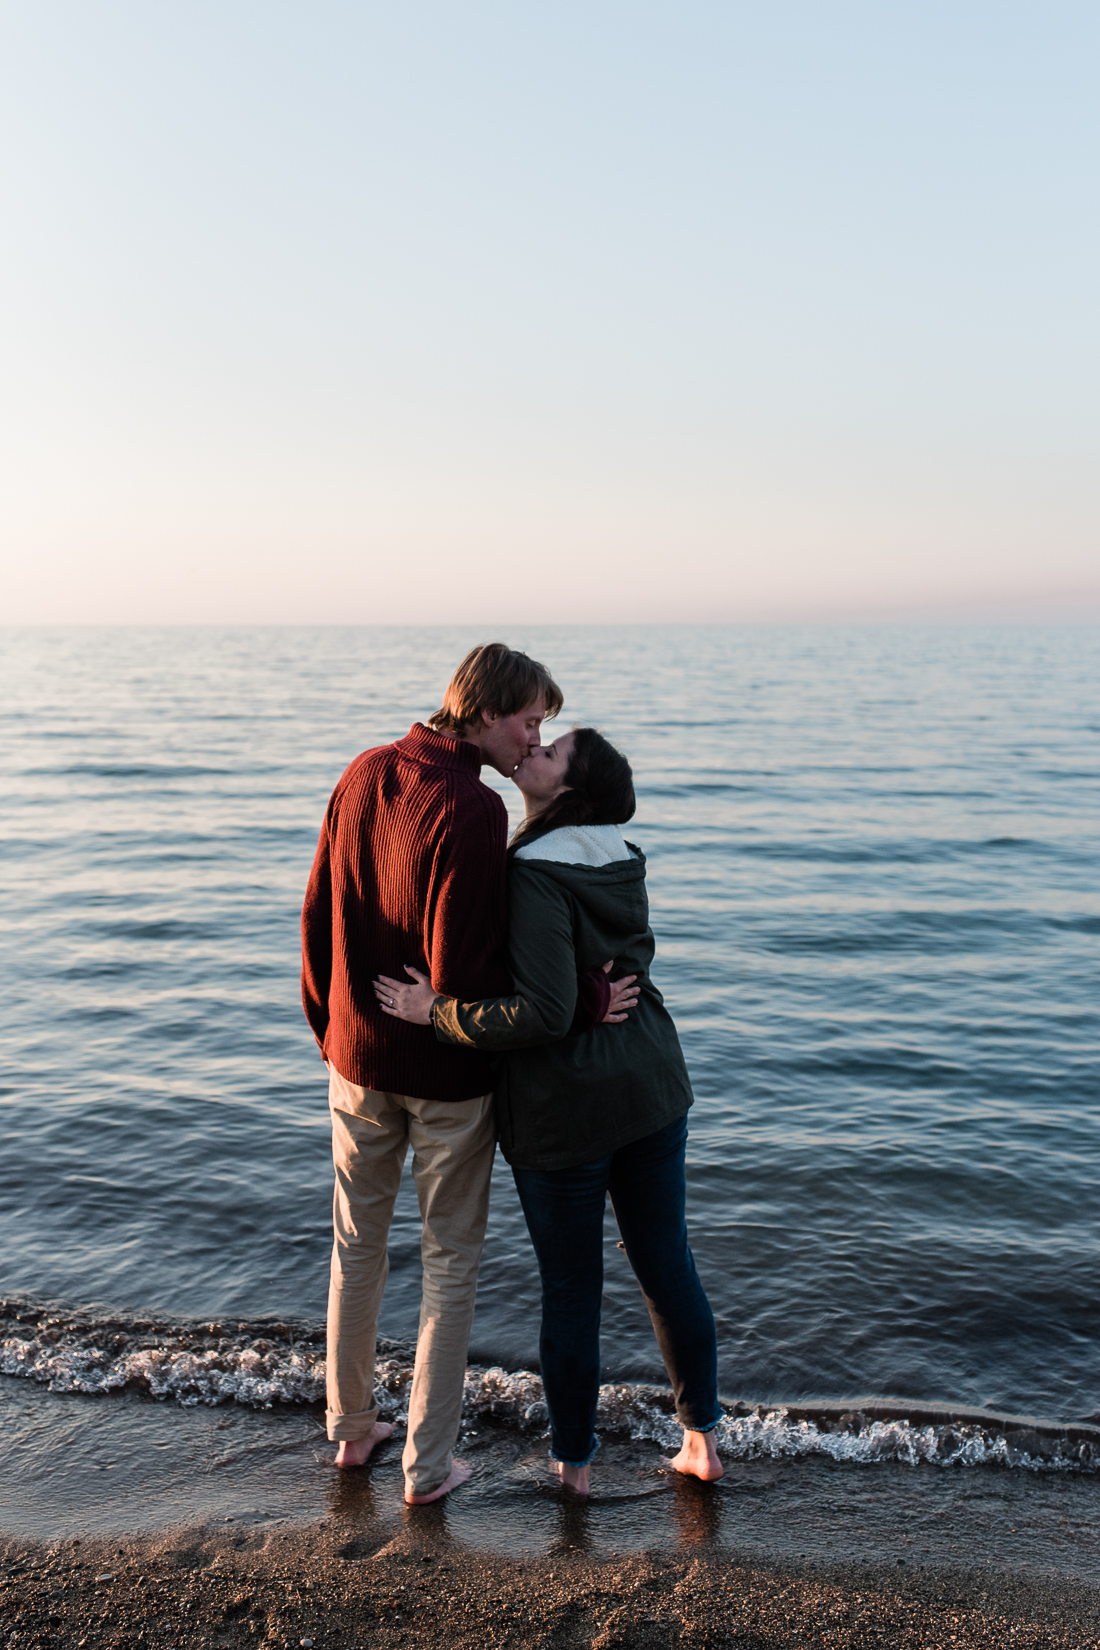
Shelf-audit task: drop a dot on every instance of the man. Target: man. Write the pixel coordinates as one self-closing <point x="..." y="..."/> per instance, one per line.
<point x="410" y="868"/>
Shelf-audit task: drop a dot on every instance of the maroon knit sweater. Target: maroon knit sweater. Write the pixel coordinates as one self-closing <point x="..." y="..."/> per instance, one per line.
<point x="409" y="869"/>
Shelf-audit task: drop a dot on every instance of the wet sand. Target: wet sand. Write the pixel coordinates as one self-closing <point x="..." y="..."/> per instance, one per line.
<point x="320" y="1584"/>
<point x="221" y="1527"/>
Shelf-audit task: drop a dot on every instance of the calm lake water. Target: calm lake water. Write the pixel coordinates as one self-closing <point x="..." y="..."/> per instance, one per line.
<point x="875" y="880"/>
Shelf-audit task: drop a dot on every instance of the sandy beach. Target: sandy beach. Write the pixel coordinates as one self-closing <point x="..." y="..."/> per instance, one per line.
<point x="316" y="1585"/>
<point x="124" y="1522"/>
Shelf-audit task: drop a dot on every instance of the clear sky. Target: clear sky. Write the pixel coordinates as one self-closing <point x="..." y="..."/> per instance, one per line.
<point x="470" y="311"/>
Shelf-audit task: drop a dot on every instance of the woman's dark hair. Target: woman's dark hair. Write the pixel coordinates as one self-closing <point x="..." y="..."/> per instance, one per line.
<point x="601" y="790"/>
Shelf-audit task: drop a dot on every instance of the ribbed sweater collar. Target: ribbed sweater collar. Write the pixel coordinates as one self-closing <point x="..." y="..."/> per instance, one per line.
<point x="439" y="750"/>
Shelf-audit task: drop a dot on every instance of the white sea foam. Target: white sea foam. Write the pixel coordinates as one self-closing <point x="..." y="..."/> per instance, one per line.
<point x="264" y="1365"/>
<point x="775" y="1433"/>
<point x="646" y="1414"/>
<point x="257" y="1375"/>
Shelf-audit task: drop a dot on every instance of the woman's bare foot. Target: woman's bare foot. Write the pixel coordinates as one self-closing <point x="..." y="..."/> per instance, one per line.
<point x="352" y="1452"/>
<point x="698" y="1457"/>
<point x="458" y="1475"/>
<point x="572" y="1478"/>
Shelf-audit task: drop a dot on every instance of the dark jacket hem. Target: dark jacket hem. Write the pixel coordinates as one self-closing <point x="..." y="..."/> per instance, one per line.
<point x="550" y="1161"/>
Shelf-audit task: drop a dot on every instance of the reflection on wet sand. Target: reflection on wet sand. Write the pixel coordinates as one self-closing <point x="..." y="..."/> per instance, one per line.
<point x="351" y="1497"/>
<point x="696" y="1511"/>
<point x="574" y="1526"/>
<point x="131" y="1465"/>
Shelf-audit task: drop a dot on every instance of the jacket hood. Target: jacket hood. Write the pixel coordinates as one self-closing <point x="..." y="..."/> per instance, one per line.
<point x="577" y="845"/>
<point x="611" y="899"/>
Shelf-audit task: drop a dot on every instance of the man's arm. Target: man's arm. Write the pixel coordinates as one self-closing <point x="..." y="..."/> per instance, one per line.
<point x="317" y="938"/>
<point x="593" y="999"/>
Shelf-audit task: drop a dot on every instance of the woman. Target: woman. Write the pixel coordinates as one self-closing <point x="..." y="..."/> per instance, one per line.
<point x="584" y="1114"/>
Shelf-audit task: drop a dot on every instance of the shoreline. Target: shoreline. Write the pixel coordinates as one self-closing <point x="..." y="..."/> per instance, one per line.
<point x="123" y="1466"/>
<point x="219" y="1530"/>
<point x="357" y="1586"/>
<point x="269" y="1363"/>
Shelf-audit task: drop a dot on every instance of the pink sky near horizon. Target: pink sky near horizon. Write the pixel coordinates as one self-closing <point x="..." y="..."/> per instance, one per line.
<point x="478" y="314"/>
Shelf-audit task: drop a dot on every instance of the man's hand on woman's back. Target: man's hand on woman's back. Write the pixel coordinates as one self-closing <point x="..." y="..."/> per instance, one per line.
<point x="624" y="994"/>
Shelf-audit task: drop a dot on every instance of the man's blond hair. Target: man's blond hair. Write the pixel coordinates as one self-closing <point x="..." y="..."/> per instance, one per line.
<point x="495" y="680"/>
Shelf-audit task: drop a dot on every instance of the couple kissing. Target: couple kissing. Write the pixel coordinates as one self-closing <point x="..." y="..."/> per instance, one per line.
<point x="460" y="990"/>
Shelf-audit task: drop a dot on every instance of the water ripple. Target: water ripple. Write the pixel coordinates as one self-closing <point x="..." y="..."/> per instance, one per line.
<point x="874" y="876"/>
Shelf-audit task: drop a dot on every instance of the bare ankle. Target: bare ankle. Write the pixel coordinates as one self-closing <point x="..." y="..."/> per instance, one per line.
<point x="355" y="1452"/>
<point x="698" y="1456"/>
<point x="576" y="1479"/>
<point x="459" y="1474"/>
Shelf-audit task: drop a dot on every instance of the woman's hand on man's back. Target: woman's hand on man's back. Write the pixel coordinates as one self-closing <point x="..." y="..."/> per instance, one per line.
<point x="408" y="1002"/>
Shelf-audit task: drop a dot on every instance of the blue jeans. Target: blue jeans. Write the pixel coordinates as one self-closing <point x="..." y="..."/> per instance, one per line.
<point x="564" y="1210"/>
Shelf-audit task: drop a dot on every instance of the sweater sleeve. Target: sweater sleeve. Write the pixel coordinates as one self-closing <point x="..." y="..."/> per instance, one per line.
<point x="593" y="999"/>
<point x="317" y="938"/>
<point x="543" y="962"/>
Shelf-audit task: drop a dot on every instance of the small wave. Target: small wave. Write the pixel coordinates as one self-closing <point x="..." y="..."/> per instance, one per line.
<point x="263" y="1363"/>
<point x="160" y="771"/>
<point x="953" y="1441"/>
<point x="875" y="1432"/>
<point x="259" y="1363"/>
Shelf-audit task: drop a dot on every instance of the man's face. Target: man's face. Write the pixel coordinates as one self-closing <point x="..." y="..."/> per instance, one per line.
<point x="506" y="740"/>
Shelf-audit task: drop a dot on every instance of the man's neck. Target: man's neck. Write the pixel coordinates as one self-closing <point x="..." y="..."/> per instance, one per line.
<point x="470" y="736"/>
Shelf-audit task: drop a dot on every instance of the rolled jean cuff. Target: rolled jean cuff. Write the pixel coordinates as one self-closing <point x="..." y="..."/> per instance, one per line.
<point x="710" y="1426"/>
<point x="345" y="1429"/>
<point x="554" y="1456"/>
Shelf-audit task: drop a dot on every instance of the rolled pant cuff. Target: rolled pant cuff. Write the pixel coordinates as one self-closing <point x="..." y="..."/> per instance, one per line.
<point x="345" y="1429"/>
<point x="709" y="1426"/>
<point x="554" y="1456"/>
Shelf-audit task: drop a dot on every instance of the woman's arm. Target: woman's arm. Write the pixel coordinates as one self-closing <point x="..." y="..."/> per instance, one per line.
<point x="416" y="1003"/>
<point x="544" y="967"/>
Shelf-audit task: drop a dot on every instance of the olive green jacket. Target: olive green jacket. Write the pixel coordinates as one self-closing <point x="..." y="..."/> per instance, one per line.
<point x="562" y="1097"/>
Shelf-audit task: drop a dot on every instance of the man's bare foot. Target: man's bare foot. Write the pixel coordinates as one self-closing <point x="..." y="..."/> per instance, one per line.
<point x="698" y="1457"/>
<point x="352" y="1452"/>
<point x="458" y="1475"/>
<point x="572" y="1478"/>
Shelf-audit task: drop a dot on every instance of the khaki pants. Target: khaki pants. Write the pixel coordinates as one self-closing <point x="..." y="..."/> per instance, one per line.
<point x="453" y="1145"/>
